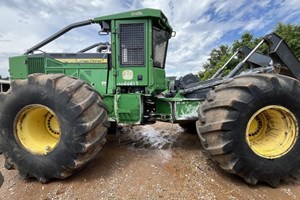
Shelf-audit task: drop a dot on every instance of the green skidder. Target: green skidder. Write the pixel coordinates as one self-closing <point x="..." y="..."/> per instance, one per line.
<point x="61" y="105"/>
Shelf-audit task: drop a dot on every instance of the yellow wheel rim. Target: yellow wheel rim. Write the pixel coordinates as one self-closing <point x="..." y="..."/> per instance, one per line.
<point x="272" y="131"/>
<point x="37" y="129"/>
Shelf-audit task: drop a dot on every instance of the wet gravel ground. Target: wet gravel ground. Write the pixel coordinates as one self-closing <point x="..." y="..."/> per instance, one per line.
<point x="160" y="161"/>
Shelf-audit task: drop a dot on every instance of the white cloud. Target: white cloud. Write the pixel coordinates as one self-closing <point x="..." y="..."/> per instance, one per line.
<point x="253" y="24"/>
<point x="226" y="7"/>
<point x="201" y="25"/>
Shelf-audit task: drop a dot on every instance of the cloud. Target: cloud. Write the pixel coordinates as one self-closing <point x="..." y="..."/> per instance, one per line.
<point x="201" y="25"/>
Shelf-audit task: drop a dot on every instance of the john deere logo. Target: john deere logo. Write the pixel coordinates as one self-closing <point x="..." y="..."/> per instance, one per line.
<point x="127" y="75"/>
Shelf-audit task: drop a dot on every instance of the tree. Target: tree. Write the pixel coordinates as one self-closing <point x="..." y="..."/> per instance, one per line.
<point x="291" y="34"/>
<point x="216" y="56"/>
<point x="209" y="72"/>
<point x="247" y="39"/>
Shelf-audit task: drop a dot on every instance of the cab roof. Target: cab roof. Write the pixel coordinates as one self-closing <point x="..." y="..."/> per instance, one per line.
<point x="155" y="14"/>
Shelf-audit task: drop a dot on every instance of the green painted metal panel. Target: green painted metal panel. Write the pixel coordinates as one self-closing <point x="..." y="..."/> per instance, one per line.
<point x="72" y="72"/>
<point x="155" y="14"/>
<point x="176" y="109"/>
<point x="109" y="103"/>
<point x="55" y="71"/>
<point x="128" y="108"/>
<point x="129" y="77"/>
<point x="53" y="63"/>
<point x="36" y="65"/>
<point x="186" y="110"/>
<point x="93" y="73"/>
<point x="18" y="67"/>
<point x="159" y="77"/>
<point x="95" y="77"/>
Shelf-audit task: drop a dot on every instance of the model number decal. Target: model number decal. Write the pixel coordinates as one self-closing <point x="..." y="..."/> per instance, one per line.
<point x="128" y="83"/>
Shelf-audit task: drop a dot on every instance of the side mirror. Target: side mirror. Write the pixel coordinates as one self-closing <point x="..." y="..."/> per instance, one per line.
<point x="103" y="33"/>
<point x="105" y="28"/>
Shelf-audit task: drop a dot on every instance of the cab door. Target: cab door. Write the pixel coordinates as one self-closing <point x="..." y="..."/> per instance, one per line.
<point x="132" y="65"/>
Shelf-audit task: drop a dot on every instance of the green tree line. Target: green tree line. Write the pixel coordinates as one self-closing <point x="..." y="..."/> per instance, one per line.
<point x="218" y="56"/>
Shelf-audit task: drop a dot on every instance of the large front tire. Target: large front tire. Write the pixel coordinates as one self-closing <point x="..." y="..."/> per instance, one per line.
<point x="51" y="126"/>
<point x="250" y="127"/>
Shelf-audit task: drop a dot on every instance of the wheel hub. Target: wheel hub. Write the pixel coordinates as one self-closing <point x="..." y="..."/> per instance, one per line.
<point x="272" y="131"/>
<point x="52" y="125"/>
<point x="37" y="129"/>
<point x="255" y="126"/>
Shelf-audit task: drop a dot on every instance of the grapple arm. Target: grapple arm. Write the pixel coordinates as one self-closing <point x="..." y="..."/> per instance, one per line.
<point x="281" y="54"/>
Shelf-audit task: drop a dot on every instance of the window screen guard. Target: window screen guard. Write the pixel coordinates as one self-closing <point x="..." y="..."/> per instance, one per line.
<point x="132" y="44"/>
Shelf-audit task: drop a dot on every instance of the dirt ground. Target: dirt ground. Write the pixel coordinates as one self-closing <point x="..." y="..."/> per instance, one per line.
<point x="160" y="161"/>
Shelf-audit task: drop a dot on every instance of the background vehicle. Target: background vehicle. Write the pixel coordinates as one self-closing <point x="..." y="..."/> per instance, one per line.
<point x="60" y="104"/>
<point x="4" y="85"/>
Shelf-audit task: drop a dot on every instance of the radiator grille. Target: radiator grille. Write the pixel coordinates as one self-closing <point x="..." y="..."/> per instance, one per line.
<point x="132" y="44"/>
<point x="36" y="65"/>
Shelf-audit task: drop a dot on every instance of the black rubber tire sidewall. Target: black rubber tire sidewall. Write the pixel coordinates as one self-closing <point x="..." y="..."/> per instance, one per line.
<point x="267" y="167"/>
<point x="62" y="154"/>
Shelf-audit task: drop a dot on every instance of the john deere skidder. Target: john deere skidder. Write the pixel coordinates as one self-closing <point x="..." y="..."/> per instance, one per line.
<point x="56" y="115"/>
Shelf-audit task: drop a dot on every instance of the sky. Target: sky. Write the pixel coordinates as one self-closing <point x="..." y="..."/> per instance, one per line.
<point x="200" y="25"/>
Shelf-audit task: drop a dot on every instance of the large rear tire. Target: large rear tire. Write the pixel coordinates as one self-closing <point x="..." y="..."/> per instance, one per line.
<point x="51" y="126"/>
<point x="250" y="127"/>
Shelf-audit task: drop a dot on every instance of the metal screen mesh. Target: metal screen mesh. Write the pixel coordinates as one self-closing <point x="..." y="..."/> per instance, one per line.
<point x="132" y="44"/>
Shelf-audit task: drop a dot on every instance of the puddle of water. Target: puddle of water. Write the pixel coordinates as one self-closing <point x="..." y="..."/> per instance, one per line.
<point x="159" y="136"/>
<point x="150" y="137"/>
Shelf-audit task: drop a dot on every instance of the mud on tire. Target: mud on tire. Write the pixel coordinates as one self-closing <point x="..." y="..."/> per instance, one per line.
<point x="234" y="114"/>
<point x="80" y="126"/>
